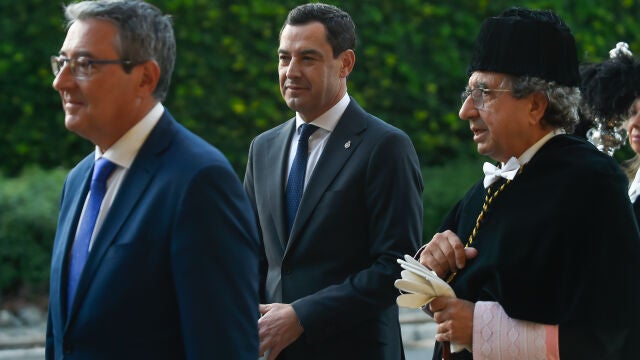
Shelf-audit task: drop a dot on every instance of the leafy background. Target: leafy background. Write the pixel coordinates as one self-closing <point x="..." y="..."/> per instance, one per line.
<point x="410" y="68"/>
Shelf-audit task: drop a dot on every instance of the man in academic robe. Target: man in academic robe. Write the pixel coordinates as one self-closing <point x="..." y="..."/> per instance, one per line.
<point x="542" y="252"/>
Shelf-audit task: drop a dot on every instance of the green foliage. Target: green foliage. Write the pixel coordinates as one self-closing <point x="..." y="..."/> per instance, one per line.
<point x="28" y="215"/>
<point x="410" y="68"/>
<point x="31" y="128"/>
<point x="411" y="63"/>
<point x="444" y="186"/>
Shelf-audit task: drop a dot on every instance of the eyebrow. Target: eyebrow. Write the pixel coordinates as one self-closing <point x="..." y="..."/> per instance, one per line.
<point x="77" y="54"/>
<point x="480" y="84"/>
<point x="303" y="52"/>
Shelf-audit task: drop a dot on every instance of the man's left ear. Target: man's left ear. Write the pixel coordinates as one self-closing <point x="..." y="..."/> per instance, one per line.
<point x="348" y="59"/>
<point x="150" y="76"/>
<point x="538" y="107"/>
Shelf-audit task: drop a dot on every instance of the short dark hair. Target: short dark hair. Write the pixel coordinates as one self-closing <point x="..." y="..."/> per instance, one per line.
<point x="340" y="28"/>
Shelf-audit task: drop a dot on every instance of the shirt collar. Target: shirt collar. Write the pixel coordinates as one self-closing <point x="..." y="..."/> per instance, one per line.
<point x="634" y="187"/>
<point x="330" y="118"/>
<point x="124" y="151"/>
<point x="528" y="154"/>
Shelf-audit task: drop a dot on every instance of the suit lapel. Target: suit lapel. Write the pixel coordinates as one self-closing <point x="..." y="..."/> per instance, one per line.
<point x="65" y="234"/>
<point x="278" y="152"/>
<point x="132" y="188"/>
<point x="342" y="143"/>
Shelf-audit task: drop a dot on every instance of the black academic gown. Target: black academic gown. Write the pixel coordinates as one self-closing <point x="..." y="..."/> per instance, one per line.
<point x="559" y="245"/>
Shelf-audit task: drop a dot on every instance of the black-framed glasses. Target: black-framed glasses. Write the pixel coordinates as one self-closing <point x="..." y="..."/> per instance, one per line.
<point x="82" y="67"/>
<point x="478" y="95"/>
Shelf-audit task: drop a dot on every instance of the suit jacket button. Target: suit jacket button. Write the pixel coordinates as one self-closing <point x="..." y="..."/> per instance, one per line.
<point x="67" y="349"/>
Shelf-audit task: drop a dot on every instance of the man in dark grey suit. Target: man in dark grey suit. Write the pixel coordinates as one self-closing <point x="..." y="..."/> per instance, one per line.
<point x="329" y="265"/>
<point x="165" y="265"/>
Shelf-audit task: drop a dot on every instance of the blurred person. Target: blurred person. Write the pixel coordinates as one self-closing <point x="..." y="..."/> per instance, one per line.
<point x="156" y="250"/>
<point x="632" y="166"/>
<point x="611" y="94"/>
<point x="333" y="224"/>
<point x="541" y="253"/>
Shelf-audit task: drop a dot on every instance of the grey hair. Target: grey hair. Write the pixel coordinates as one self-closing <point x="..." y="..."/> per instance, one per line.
<point x="144" y="33"/>
<point x="564" y="101"/>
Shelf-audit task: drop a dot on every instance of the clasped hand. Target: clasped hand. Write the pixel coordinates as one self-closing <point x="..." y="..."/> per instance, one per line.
<point x="278" y="328"/>
<point x="445" y="254"/>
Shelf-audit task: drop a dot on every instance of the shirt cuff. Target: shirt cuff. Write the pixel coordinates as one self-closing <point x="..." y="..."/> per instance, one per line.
<point x="497" y="336"/>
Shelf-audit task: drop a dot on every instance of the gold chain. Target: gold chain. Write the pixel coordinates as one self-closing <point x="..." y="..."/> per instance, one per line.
<point x="488" y="199"/>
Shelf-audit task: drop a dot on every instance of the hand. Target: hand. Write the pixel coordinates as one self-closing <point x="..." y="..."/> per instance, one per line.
<point x="455" y="320"/>
<point x="278" y="328"/>
<point x="445" y="254"/>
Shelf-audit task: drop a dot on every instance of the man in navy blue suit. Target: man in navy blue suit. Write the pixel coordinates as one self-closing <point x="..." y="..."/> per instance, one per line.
<point x="170" y="267"/>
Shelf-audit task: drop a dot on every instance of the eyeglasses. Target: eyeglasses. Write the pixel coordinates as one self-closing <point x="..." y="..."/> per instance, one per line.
<point x="478" y="94"/>
<point x="82" y="67"/>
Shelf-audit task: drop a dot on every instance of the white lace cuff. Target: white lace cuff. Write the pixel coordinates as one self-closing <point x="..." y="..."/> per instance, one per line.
<point x="497" y="336"/>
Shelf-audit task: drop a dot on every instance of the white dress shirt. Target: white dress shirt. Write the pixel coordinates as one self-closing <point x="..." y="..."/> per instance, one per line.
<point x="528" y="154"/>
<point x="317" y="141"/>
<point x="634" y="187"/>
<point x="122" y="153"/>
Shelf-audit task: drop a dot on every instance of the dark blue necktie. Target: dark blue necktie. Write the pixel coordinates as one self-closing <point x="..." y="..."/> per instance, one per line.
<point x="295" y="183"/>
<point x="80" y="251"/>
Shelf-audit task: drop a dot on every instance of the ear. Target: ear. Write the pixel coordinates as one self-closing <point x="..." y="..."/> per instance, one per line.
<point x="348" y="60"/>
<point x="149" y="77"/>
<point x="538" y="107"/>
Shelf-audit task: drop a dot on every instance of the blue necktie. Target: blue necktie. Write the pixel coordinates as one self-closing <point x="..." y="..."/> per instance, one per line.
<point x="295" y="183"/>
<point x="80" y="251"/>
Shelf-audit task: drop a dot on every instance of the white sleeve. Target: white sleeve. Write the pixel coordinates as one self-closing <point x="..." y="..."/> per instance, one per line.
<point x="497" y="336"/>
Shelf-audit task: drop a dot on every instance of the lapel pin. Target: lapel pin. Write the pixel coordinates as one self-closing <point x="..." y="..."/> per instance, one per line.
<point x="347" y="144"/>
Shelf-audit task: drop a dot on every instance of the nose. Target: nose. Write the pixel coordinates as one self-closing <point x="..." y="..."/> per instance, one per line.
<point x="293" y="70"/>
<point x="467" y="110"/>
<point x="64" y="79"/>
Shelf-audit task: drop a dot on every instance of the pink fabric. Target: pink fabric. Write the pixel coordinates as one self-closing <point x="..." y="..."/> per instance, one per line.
<point x="553" y="350"/>
<point x="497" y="336"/>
